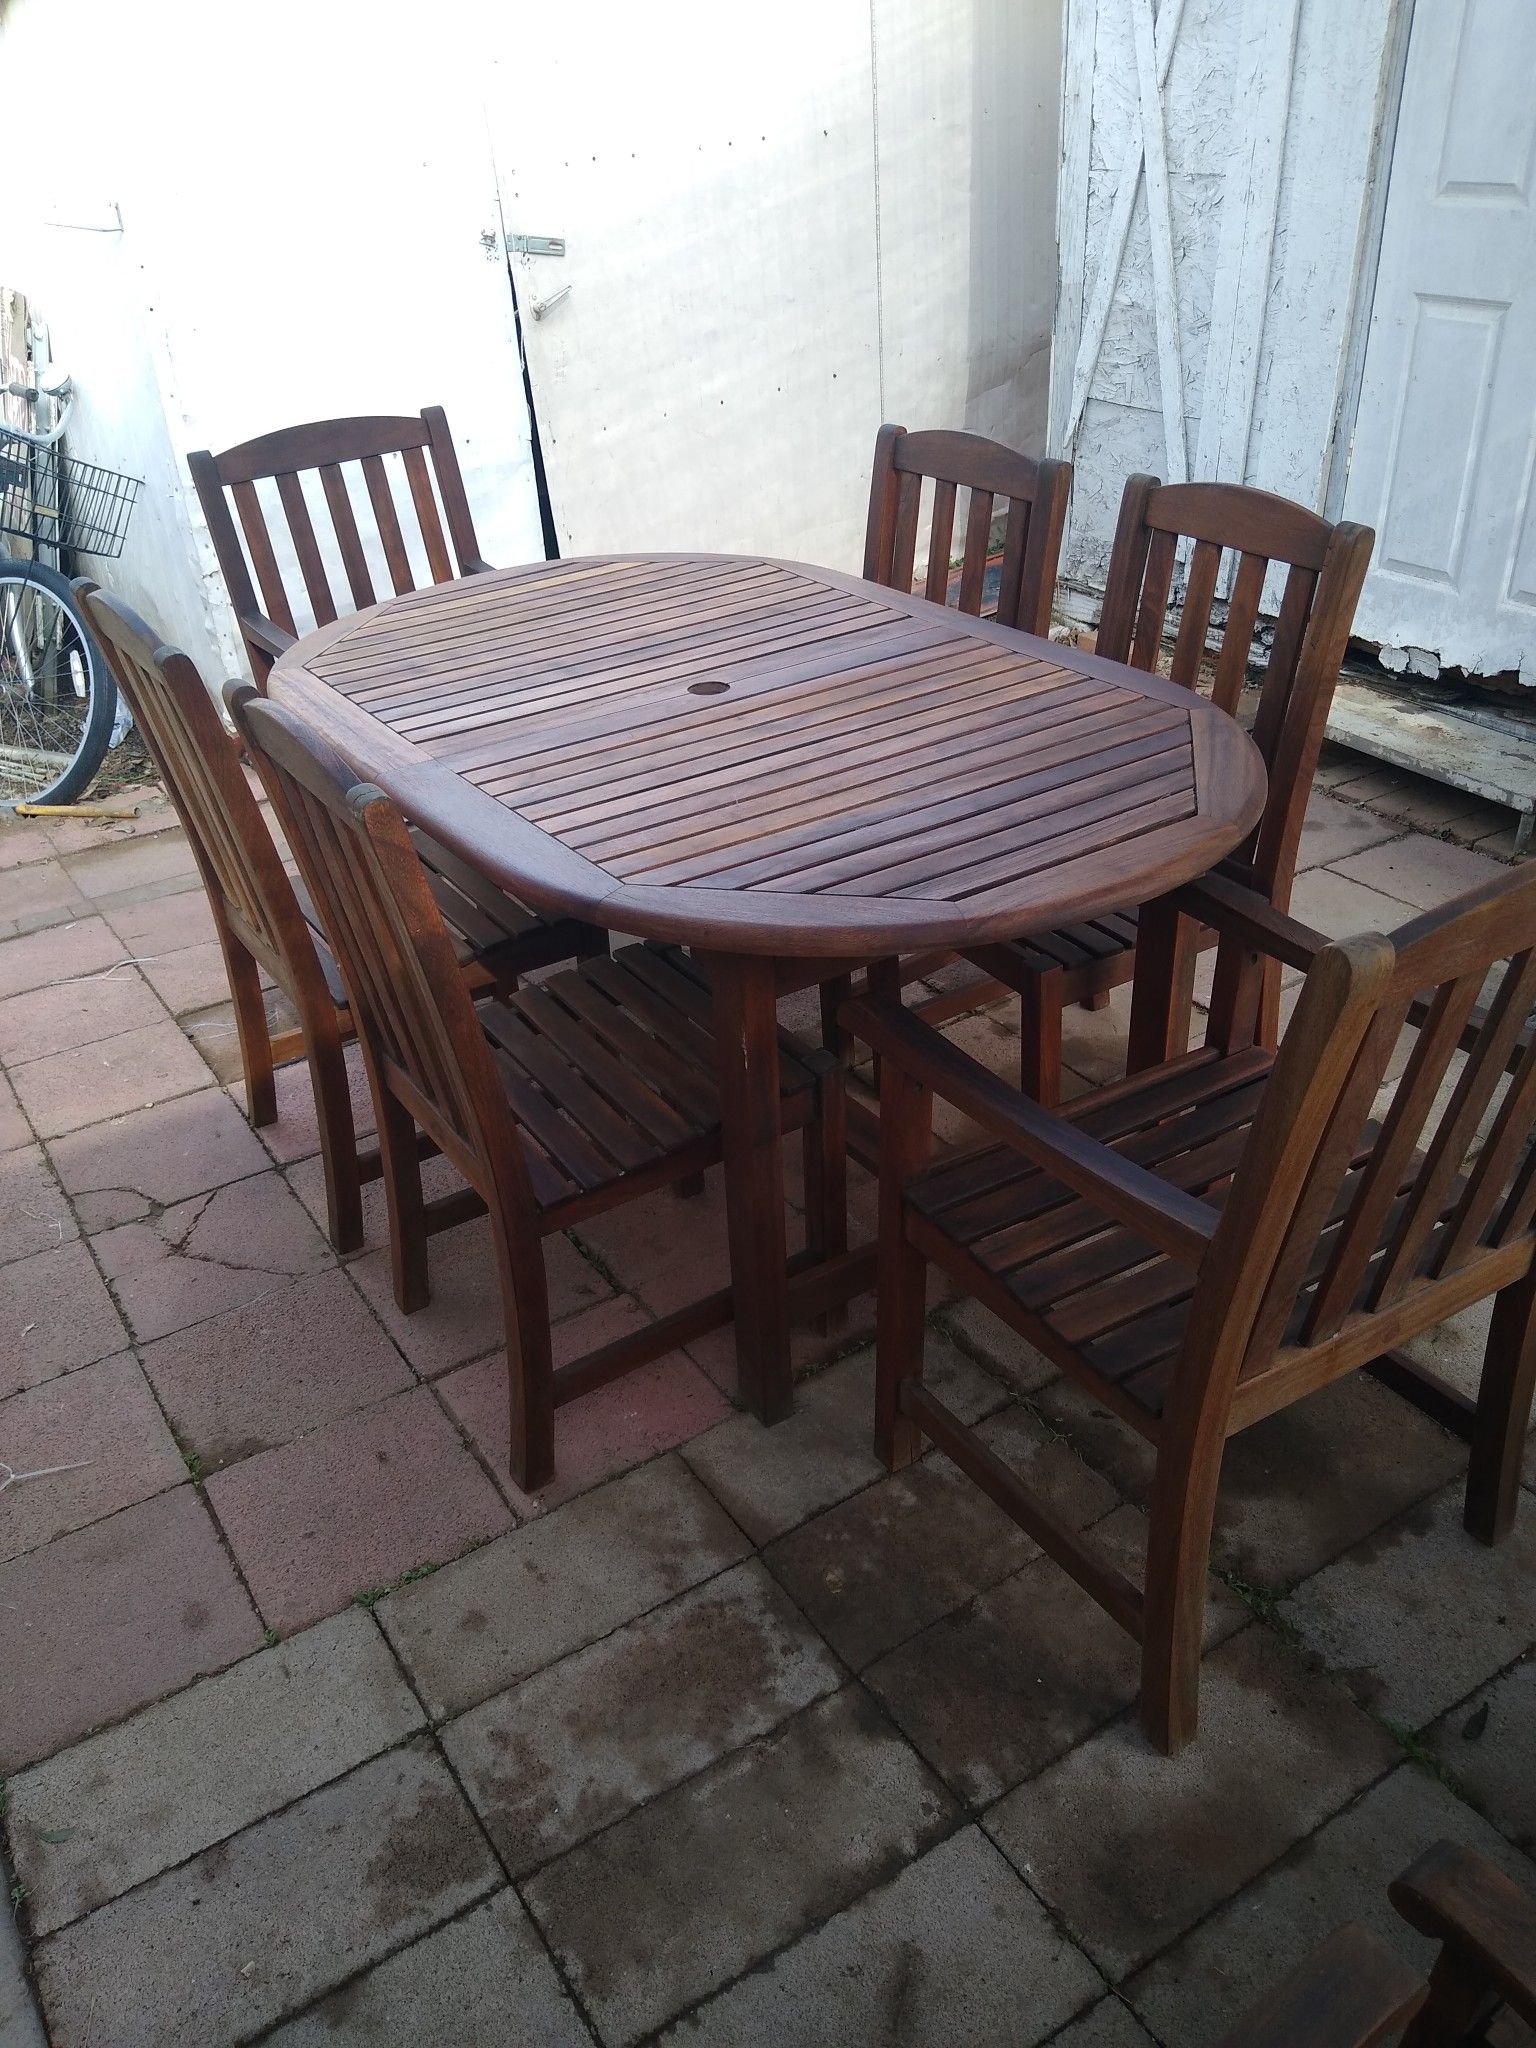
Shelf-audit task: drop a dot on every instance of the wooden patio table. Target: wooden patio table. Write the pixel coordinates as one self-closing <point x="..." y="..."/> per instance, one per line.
<point x="789" y="770"/>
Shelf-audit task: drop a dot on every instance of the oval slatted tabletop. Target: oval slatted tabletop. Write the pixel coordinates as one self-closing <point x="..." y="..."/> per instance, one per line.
<point x="768" y="761"/>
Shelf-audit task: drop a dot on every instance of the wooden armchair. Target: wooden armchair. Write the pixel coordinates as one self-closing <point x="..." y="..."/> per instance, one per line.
<point x="1035" y="494"/>
<point x="1207" y="1241"/>
<point x="263" y="923"/>
<point x="1326" y="566"/>
<point x="441" y="520"/>
<point x="1355" y="1991"/>
<point x="557" y="1103"/>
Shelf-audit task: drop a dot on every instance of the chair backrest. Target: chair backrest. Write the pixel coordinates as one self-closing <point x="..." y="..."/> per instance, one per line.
<point x="1035" y="494"/>
<point x="199" y="760"/>
<point x="1370" y="1180"/>
<point x="412" y="1011"/>
<point x="1326" y="566"/>
<point x="442" y="520"/>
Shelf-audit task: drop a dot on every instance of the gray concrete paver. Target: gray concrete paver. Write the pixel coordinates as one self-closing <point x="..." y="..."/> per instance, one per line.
<point x="116" y="1809"/>
<point x="1202" y="1987"/>
<point x="256" y="1928"/>
<point x="578" y="1745"/>
<point x="955" y="1952"/>
<point x="1133" y="1847"/>
<point x="1421" y="1613"/>
<point x="484" y="1981"/>
<point x="696" y="1887"/>
<point x="558" y="1583"/>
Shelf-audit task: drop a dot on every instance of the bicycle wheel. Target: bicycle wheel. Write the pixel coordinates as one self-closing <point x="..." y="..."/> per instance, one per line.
<point x="57" y="696"/>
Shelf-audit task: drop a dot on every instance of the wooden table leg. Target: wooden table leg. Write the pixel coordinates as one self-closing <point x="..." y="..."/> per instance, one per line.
<point x="747" y="1052"/>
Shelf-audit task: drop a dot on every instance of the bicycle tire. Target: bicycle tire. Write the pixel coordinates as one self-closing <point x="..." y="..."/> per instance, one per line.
<point x="62" y="786"/>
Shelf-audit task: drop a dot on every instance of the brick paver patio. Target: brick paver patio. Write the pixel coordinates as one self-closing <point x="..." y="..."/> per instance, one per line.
<point x="315" y="1730"/>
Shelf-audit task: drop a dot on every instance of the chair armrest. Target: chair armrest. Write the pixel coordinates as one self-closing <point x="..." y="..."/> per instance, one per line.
<point x="270" y="638"/>
<point x="1241" y="913"/>
<point x="1352" y="1992"/>
<point x="1176" y="1222"/>
<point x="1487" y="1920"/>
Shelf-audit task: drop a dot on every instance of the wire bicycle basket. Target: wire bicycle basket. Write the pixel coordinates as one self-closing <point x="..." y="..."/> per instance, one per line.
<point x="53" y="501"/>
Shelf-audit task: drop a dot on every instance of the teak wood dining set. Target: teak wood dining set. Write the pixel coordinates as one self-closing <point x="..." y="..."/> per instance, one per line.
<point x="561" y="837"/>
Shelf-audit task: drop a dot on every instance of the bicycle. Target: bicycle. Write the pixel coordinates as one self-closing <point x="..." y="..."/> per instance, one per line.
<point x="58" y="702"/>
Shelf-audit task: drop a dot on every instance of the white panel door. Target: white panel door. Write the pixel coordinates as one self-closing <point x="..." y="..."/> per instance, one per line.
<point x="1442" y="460"/>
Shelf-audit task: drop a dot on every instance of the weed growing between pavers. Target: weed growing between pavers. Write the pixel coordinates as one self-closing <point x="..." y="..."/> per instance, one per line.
<point x="370" y="1596"/>
<point x="1261" y="1601"/>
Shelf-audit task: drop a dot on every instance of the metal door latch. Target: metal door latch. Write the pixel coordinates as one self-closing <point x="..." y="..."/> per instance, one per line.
<point x="536" y="245"/>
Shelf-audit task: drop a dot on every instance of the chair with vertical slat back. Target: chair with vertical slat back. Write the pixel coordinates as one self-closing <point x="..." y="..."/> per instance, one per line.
<point x="1326" y="566"/>
<point x="1209" y="1240"/>
<point x="256" y="914"/>
<point x="264" y="923"/>
<point x="441" y="519"/>
<point x="1356" y="1990"/>
<point x="1035" y="495"/>
<point x="560" y="1102"/>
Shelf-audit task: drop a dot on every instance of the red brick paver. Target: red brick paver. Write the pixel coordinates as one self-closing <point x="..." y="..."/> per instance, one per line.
<point x="209" y="1254"/>
<point x="42" y="958"/>
<point x="463" y="1318"/>
<point x="352" y="1506"/>
<point x="34" y="1216"/>
<point x="117" y="1171"/>
<point x="287" y="1362"/>
<point x="66" y="1014"/>
<point x="55" y="1314"/>
<point x="637" y="1417"/>
<point x="71" y="1089"/>
<point x="114" y="1616"/>
<point x="103" y="1423"/>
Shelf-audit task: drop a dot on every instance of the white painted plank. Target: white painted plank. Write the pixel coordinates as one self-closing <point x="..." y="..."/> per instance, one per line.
<point x="1240" y="289"/>
<point x="1165" y="300"/>
<point x="1499" y="765"/>
<point x="1102" y="298"/>
<point x="1072" y="215"/>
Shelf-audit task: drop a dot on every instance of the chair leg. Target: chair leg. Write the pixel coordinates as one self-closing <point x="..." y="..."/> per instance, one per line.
<point x="688" y="1188"/>
<point x="1503" y="1413"/>
<point x="1173" y="1618"/>
<point x="1040" y="1015"/>
<point x="400" y="1165"/>
<point x="825" y="1152"/>
<point x="1099" y="1000"/>
<point x="530" y="1357"/>
<point x="338" y="1139"/>
<point x="252" y="1029"/>
<point x="901" y="1299"/>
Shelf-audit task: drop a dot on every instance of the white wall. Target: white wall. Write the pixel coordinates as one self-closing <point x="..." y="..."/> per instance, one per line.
<point x="783" y="225"/>
<point x="799" y="221"/>
<point x="301" y="237"/>
<point x="1271" y="113"/>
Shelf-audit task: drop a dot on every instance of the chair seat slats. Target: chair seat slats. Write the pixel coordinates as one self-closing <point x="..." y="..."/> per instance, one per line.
<point x="640" y="1087"/>
<point x="566" y="1146"/>
<point x="1101" y="1288"/>
<point x="609" y="1068"/>
<point x="541" y="1060"/>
